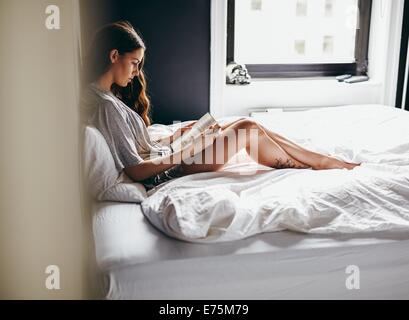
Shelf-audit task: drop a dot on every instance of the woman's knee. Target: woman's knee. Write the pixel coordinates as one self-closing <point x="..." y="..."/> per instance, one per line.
<point x="253" y="132"/>
<point x="247" y="124"/>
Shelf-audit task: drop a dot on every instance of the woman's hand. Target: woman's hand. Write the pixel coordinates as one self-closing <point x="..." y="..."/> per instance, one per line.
<point x="183" y="130"/>
<point x="189" y="126"/>
<point x="197" y="145"/>
<point x="214" y="128"/>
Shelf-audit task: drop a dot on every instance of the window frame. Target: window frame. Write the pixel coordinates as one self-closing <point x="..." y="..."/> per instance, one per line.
<point x="402" y="93"/>
<point x="359" y="67"/>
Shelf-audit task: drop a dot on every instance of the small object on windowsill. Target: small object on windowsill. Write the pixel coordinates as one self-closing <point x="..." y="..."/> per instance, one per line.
<point x="269" y="111"/>
<point x="274" y="110"/>
<point x="357" y="79"/>
<point x="254" y="114"/>
<point x="343" y="77"/>
<point x="237" y="74"/>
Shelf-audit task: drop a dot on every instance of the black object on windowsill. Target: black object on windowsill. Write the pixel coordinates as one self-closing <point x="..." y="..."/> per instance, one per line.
<point x="237" y="74"/>
<point x="357" y="79"/>
<point x="343" y="77"/>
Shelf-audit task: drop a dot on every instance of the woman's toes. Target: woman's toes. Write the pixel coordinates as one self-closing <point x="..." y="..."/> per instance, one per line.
<point x="350" y="165"/>
<point x="329" y="162"/>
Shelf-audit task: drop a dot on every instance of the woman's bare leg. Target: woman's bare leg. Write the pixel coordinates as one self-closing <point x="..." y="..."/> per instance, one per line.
<point x="231" y="141"/>
<point x="290" y="147"/>
<point x="313" y="159"/>
<point x="316" y="160"/>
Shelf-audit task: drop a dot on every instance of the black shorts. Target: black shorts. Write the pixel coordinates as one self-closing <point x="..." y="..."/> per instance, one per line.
<point x="172" y="173"/>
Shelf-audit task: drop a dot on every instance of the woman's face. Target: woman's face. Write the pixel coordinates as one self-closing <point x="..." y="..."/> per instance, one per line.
<point x="125" y="67"/>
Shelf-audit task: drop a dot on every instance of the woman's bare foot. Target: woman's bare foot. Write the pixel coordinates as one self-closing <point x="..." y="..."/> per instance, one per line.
<point x="328" y="162"/>
<point x="350" y="165"/>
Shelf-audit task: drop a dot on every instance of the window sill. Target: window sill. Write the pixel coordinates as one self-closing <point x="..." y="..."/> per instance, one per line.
<point x="330" y="81"/>
<point x="298" y="92"/>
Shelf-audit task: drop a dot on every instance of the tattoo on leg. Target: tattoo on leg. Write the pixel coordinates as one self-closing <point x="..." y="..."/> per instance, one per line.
<point x="289" y="163"/>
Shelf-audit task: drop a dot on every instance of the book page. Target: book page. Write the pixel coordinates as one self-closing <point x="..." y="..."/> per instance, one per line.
<point x="197" y="129"/>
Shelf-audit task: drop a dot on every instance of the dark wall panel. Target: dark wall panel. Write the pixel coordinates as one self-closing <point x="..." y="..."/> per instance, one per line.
<point x="177" y="36"/>
<point x="402" y="60"/>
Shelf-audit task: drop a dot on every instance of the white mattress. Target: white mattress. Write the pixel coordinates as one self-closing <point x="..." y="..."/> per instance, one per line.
<point x="139" y="262"/>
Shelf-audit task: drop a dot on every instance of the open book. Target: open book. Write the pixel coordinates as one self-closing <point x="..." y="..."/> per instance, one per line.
<point x="201" y="126"/>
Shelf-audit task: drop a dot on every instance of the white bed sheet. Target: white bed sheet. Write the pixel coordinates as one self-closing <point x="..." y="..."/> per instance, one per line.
<point x="230" y="205"/>
<point x="140" y="262"/>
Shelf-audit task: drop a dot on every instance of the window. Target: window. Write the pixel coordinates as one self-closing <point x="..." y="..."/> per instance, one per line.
<point x="256" y="4"/>
<point x="299" y="47"/>
<point x="298" y="38"/>
<point x="328" y="45"/>
<point x="301" y="8"/>
<point x="329" y="7"/>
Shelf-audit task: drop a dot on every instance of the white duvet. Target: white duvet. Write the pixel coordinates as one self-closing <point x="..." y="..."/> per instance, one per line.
<point x="239" y="201"/>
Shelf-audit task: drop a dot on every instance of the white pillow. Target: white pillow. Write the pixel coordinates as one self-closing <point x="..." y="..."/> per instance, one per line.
<point x="103" y="180"/>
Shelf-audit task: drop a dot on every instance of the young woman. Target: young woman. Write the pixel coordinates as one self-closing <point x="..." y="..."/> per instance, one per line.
<point x="116" y="103"/>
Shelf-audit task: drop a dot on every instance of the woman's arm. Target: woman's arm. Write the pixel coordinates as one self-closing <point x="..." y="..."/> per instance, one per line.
<point x="169" y="139"/>
<point x="149" y="168"/>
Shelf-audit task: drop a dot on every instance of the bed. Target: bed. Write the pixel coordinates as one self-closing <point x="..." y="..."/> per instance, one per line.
<point x="141" y="253"/>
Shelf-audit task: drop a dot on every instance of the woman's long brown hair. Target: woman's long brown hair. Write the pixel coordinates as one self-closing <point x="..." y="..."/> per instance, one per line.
<point x="123" y="37"/>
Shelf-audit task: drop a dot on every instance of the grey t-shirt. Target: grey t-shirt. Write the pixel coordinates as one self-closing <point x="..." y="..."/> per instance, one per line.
<point x="123" y="129"/>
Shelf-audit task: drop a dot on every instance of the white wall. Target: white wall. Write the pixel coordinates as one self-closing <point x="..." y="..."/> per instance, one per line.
<point x="229" y="100"/>
<point x="40" y="206"/>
